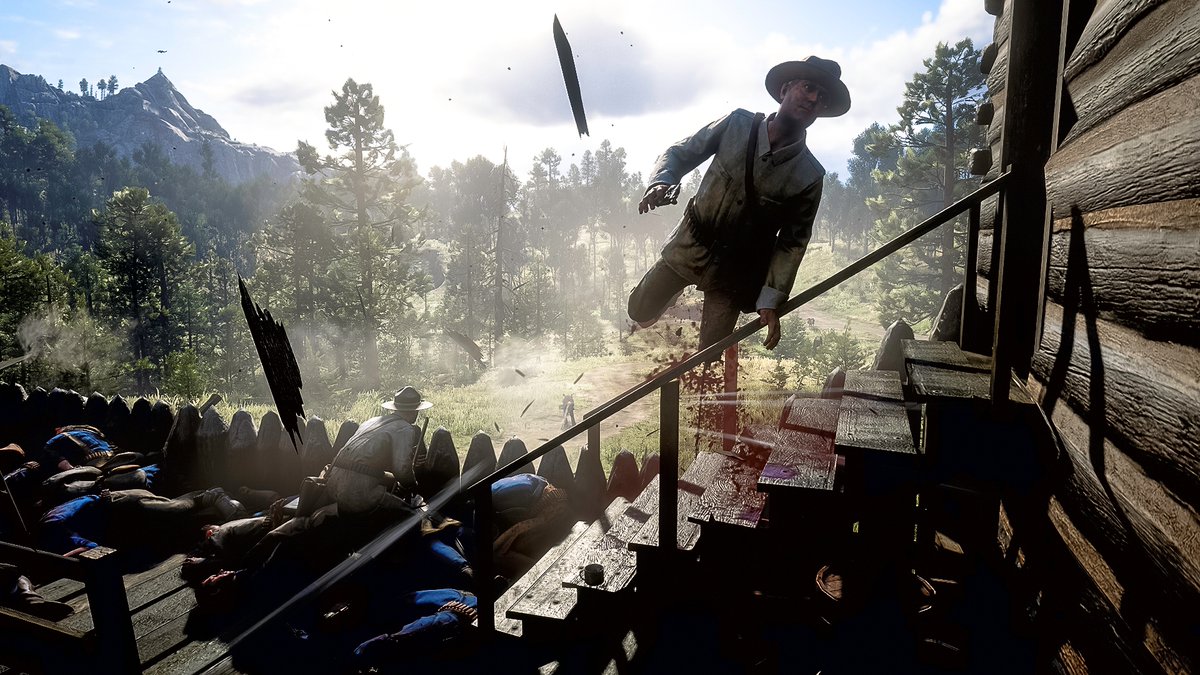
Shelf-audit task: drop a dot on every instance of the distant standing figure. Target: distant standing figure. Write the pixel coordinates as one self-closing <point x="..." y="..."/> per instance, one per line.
<point x="568" y="411"/>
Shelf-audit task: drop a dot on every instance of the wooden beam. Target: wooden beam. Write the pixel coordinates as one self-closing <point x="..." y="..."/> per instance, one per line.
<point x="1156" y="52"/>
<point x="1028" y="124"/>
<point x="1109" y="21"/>
<point x="1144" y="154"/>
<point x="1144" y="278"/>
<point x="1135" y="391"/>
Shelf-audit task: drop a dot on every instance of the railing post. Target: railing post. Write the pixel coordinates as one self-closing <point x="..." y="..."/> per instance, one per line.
<point x="668" y="468"/>
<point x="729" y="399"/>
<point x="593" y="442"/>
<point x="485" y="589"/>
<point x="968" y="324"/>
<point x="110" y="612"/>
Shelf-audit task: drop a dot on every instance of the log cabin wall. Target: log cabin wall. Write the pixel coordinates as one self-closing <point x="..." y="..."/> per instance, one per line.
<point x="1118" y="366"/>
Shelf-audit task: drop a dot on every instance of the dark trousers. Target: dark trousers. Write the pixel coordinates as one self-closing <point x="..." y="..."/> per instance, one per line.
<point x="658" y="290"/>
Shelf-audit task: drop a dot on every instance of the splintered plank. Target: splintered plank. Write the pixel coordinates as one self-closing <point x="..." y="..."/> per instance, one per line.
<point x="141" y="588"/>
<point x="802" y="457"/>
<point x="547" y="598"/>
<point x="731" y="493"/>
<point x="687" y="532"/>
<point x="873" y="417"/>
<point x="512" y="626"/>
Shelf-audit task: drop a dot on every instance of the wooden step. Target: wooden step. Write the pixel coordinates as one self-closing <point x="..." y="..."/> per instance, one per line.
<point x="612" y="552"/>
<point x="940" y="369"/>
<point x="547" y="600"/>
<point x="802" y="458"/>
<point x="872" y="419"/>
<point x="512" y="626"/>
<point x="731" y="495"/>
<point x="687" y="532"/>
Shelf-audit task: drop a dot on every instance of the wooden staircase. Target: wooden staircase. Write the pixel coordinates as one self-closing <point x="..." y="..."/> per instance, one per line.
<point x="838" y="482"/>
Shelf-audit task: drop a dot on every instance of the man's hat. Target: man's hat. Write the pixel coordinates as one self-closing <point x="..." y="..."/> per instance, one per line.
<point x="407" y="400"/>
<point x="824" y="72"/>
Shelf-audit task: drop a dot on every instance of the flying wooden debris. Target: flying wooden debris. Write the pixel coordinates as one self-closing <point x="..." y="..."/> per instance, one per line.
<point x="497" y="427"/>
<point x="278" y="362"/>
<point x="651" y="433"/>
<point x="526" y="408"/>
<point x="578" y="378"/>
<point x="518" y="371"/>
<point x="567" y="63"/>
<point x="467" y="344"/>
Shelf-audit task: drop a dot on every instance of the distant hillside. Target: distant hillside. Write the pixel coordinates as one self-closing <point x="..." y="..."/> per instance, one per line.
<point x="153" y="111"/>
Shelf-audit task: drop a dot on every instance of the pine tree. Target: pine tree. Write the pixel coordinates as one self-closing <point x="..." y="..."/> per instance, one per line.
<point x="83" y="87"/>
<point x="146" y="257"/>
<point x="364" y="189"/>
<point x="933" y="138"/>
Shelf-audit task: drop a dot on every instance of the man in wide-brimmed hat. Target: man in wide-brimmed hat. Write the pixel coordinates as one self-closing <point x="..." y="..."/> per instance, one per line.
<point x="373" y="473"/>
<point x="743" y="235"/>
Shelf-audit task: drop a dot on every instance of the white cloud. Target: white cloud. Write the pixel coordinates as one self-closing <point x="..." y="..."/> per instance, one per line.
<point x="8" y="47"/>
<point x="66" y="34"/>
<point x="463" y="78"/>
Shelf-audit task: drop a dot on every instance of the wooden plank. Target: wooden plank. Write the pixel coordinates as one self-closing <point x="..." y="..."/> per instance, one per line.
<point x="1031" y="108"/>
<point x="997" y="78"/>
<point x="1144" y="154"/>
<point x="872" y="416"/>
<point x="141" y="588"/>
<point x="803" y="459"/>
<point x="731" y="496"/>
<point x="521" y="586"/>
<point x="932" y="382"/>
<point x="162" y="627"/>
<point x="1121" y="524"/>
<point x="61" y="590"/>
<point x="1001" y="29"/>
<point x="1110" y="20"/>
<point x="548" y="598"/>
<point x="687" y="532"/>
<point x="1156" y="52"/>
<point x="612" y="551"/>
<point x="190" y="658"/>
<point x="875" y="385"/>
<point x="1142" y="393"/>
<point x="943" y="353"/>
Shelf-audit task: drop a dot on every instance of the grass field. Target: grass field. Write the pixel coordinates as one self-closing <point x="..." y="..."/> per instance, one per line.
<point x="520" y="396"/>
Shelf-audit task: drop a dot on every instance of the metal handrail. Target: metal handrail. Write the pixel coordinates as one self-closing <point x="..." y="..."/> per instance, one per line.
<point x="668" y="408"/>
<point x="614" y="405"/>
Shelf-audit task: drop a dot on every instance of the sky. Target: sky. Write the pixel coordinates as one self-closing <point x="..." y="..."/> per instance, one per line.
<point x="465" y="78"/>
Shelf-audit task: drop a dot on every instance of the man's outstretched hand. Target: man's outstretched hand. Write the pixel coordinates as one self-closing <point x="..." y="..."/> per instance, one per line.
<point x="655" y="197"/>
<point x="769" y="317"/>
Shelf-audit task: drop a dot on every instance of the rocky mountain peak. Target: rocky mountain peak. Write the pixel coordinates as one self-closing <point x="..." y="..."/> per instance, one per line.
<point x="153" y="111"/>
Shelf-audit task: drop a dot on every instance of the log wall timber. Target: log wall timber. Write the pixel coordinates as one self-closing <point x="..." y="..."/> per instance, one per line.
<point x="1133" y="538"/>
<point x="1144" y="154"/>
<point x="1143" y="395"/>
<point x="1142" y="266"/>
<point x="1161" y="49"/>
<point x="1109" y="21"/>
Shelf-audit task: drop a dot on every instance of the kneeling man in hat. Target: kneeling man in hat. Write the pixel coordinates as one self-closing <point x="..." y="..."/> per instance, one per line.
<point x="378" y="458"/>
<point x="743" y="235"/>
